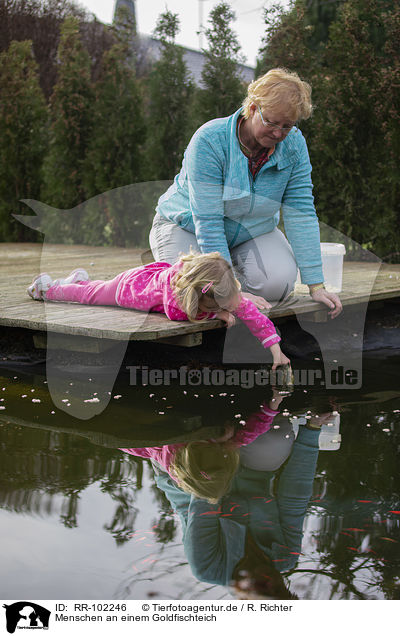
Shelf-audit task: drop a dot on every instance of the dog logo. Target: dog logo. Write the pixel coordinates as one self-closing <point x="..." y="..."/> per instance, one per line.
<point x="26" y="615"/>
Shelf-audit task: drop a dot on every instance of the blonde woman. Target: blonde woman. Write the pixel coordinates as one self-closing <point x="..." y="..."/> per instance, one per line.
<point x="197" y="288"/>
<point x="238" y="173"/>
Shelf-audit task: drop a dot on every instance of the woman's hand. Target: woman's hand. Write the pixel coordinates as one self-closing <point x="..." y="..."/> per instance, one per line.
<point x="259" y="301"/>
<point x="278" y="357"/>
<point x="227" y="317"/>
<point x="316" y="421"/>
<point x="329" y="299"/>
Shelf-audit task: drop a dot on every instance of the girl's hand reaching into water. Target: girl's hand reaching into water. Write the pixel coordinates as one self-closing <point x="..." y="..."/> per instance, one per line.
<point x="279" y="358"/>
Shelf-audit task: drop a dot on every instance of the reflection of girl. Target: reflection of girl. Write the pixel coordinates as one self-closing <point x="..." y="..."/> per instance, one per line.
<point x="198" y="287"/>
<point x="205" y="469"/>
<point x="253" y="535"/>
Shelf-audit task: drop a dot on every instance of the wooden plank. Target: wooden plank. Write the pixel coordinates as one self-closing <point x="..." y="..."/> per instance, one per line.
<point x="83" y="344"/>
<point x="19" y="262"/>
<point x="189" y="340"/>
<point x="319" y="316"/>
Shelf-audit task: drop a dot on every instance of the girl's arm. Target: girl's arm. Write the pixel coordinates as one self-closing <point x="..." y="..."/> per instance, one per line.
<point x="263" y="329"/>
<point x="260" y="326"/>
<point x="162" y="454"/>
<point x="142" y="452"/>
<point x="256" y="425"/>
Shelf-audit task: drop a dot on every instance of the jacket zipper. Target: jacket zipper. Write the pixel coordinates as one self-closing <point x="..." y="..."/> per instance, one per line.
<point x="252" y="191"/>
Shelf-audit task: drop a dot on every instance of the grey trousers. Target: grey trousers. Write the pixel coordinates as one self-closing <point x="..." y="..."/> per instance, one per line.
<point x="265" y="265"/>
<point x="269" y="450"/>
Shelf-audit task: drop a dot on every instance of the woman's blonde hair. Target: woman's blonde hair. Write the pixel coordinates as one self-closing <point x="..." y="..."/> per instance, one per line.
<point x="280" y="88"/>
<point x="196" y="274"/>
<point x="205" y="469"/>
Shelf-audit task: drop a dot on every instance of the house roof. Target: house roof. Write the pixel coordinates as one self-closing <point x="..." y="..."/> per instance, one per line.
<point x="194" y="59"/>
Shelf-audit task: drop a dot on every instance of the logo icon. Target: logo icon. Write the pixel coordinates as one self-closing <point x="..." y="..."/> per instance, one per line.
<point x="26" y="615"/>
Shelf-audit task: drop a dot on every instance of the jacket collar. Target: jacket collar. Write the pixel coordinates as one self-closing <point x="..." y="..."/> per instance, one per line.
<point x="285" y="153"/>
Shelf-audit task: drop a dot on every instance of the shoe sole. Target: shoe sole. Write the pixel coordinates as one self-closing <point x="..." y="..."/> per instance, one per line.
<point x="77" y="276"/>
<point x="35" y="291"/>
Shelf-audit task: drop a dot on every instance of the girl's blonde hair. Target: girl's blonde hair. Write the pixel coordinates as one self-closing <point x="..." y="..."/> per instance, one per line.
<point x="196" y="274"/>
<point x="283" y="89"/>
<point x="205" y="469"/>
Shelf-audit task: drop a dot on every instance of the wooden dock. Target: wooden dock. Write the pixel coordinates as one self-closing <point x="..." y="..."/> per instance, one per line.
<point x="362" y="282"/>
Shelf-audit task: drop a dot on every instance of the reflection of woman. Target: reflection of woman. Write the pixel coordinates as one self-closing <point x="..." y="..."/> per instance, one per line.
<point x="253" y="534"/>
<point x="237" y="173"/>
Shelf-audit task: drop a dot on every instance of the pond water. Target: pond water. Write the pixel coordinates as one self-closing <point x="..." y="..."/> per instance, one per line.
<point x="80" y="518"/>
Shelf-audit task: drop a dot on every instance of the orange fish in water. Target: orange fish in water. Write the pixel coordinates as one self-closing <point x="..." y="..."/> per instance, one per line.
<point x="210" y="512"/>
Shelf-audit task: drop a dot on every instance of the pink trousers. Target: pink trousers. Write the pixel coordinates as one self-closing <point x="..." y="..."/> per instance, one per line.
<point x="88" y="292"/>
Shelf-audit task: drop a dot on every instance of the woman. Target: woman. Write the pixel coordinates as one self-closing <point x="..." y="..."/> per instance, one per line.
<point x="238" y="172"/>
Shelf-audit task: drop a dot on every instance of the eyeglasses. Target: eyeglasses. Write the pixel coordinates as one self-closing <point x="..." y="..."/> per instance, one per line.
<point x="270" y="124"/>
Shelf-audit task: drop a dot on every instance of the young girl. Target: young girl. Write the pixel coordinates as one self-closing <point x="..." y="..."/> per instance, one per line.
<point x="196" y="288"/>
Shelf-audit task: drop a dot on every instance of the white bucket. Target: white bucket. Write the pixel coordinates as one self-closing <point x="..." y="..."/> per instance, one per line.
<point x="332" y="265"/>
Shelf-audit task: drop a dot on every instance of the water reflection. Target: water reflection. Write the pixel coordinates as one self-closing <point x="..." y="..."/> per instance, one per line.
<point x="254" y="532"/>
<point x="292" y="517"/>
<point x="205" y="468"/>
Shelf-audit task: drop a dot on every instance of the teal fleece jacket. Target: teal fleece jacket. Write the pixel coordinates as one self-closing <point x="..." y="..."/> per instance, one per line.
<point x="216" y="197"/>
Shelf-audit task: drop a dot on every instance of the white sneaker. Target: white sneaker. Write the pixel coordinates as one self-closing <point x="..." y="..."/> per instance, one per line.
<point x="77" y="276"/>
<point x="40" y="285"/>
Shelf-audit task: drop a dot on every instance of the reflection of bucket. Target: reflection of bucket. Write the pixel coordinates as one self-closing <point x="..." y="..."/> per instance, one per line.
<point x="332" y="265"/>
<point x="329" y="437"/>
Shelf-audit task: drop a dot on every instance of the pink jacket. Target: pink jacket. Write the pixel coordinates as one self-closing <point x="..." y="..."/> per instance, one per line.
<point x="148" y="288"/>
<point x="256" y="424"/>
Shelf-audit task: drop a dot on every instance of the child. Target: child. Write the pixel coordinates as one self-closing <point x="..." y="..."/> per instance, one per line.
<point x="205" y="469"/>
<point x="196" y="288"/>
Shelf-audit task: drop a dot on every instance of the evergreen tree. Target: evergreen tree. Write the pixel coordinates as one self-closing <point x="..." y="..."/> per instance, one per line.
<point x="170" y="89"/>
<point x="40" y="21"/>
<point x="319" y="14"/>
<point x="354" y="134"/>
<point x="23" y="119"/>
<point x="115" y="155"/>
<point x="223" y="90"/>
<point x="71" y="117"/>
<point x="358" y="177"/>
<point x="287" y="40"/>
